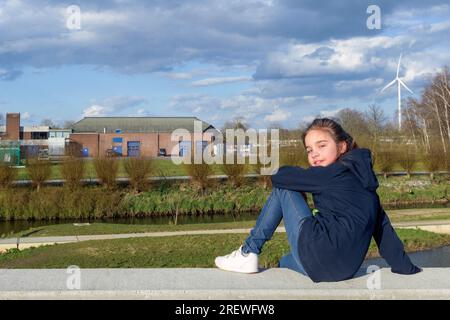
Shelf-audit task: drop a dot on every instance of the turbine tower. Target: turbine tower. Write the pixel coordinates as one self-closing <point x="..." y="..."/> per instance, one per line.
<point x="399" y="94"/>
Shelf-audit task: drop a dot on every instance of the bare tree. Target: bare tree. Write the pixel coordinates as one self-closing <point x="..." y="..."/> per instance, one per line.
<point x="430" y="99"/>
<point x="441" y="89"/>
<point x="48" y="122"/>
<point x="410" y="122"/>
<point x="375" y="121"/>
<point x="67" y="124"/>
<point x="235" y="123"/>
<point x="354" y="123"/>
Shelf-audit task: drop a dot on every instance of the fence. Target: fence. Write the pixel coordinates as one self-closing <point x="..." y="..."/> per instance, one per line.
<point x="10" y="152"/>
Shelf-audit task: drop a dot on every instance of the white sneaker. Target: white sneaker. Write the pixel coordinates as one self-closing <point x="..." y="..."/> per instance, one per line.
<point x="238" y="262"/>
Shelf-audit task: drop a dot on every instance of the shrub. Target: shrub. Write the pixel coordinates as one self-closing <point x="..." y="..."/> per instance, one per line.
<point x="199" y="175"/>
<point x="138" y="170"/>
<point x="235" y="172"/>
<point x="433" y="162"/>
<point x="7" y="175"/>
<point x="106" y="170"/>
<point x="407" y="159"/>
<point x="264" y="180"/>
<point x="384" y="161"/>
<point x="293" y="156"/>
<point x="38" y="171"/>
<point x="72" y="170"/>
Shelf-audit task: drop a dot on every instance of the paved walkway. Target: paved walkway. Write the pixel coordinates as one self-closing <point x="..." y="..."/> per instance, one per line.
<point x="442" y="226"/>
<point x="199" y="283"/>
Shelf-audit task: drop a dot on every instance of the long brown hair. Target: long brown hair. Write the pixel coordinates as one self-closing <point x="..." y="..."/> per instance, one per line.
<point x="335" y="129"/>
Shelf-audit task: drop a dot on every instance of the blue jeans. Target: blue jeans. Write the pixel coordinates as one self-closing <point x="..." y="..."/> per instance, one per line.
<point x="292" y="207"/>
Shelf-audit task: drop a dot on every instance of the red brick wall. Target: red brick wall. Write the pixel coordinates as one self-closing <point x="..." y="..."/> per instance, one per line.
<point x="172" y="147"/>
<point x="12" y="126"/>
<point x="98" y="144"/>
<point x="87" y="140"/>
<point x="148" y="146"/>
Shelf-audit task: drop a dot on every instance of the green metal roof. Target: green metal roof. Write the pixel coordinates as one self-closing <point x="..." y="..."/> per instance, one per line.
<point x="136" y="124"/>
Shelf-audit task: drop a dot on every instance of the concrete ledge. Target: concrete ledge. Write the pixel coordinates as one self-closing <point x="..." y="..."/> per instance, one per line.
<point x="198" y="283"/>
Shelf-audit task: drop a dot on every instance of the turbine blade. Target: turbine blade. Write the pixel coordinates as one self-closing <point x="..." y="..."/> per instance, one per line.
<point x="398" y="66"/>
<point x="404" y="85"/>
<point x="389" y="84"/>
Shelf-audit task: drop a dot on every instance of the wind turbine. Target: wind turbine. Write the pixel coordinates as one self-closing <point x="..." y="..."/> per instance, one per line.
<point x="399" y="94"/>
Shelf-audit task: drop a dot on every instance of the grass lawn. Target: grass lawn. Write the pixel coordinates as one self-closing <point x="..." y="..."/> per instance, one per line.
<point x="162" y="167"/>
<point x="116" y="228"/>
<point x="171" y="252"/>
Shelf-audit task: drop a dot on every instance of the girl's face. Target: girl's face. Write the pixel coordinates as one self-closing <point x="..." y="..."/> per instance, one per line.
<point x="322" y="150"/>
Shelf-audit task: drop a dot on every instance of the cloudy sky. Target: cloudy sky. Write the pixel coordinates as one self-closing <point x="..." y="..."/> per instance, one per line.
<point x="268" y="61"/>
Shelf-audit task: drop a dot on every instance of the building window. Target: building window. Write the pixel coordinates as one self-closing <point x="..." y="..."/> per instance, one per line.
<point x="39" y="135"/>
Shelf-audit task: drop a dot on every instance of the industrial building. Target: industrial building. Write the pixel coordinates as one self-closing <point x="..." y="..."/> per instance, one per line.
<point x="104" y="136"/>
<point x="138" y="136"/>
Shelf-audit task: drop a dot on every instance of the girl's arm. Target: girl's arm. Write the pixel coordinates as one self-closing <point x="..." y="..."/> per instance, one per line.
<point x="312" y="179"/>
<point x="391" y="247"/>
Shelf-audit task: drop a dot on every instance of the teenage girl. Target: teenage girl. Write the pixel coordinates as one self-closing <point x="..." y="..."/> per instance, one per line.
<point x="332" y="245"/>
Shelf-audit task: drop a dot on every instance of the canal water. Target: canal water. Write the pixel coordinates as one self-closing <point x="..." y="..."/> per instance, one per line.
<point x="9" y="227"/>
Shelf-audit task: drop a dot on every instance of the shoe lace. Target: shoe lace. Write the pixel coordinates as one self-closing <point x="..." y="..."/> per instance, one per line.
<point x="233" y="254"/>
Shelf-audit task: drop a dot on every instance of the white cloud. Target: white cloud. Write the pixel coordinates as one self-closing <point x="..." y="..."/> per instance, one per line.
<point x="25" y="116"/>
<point x="219" y="80"/>
<point x="352" y="85"/>
<point x="251" y="108"/>
<point x="343" y="57"/>
<point x="309" y="98"/>
<point x="96" y="111"/>
<point x="278" y="115"/>
<point x="179" y="75"/>
<point x="113" y="105"/>
<point x="321" y="114"/>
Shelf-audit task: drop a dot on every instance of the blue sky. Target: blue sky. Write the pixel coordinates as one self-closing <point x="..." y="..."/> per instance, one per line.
<point x="268" y="61"/>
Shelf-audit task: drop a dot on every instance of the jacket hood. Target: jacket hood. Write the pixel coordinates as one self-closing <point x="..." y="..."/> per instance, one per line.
<point x="359" y="161"/>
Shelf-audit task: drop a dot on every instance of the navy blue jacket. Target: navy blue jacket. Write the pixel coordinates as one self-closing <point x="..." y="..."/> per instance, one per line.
<point x="333" y="244"/>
